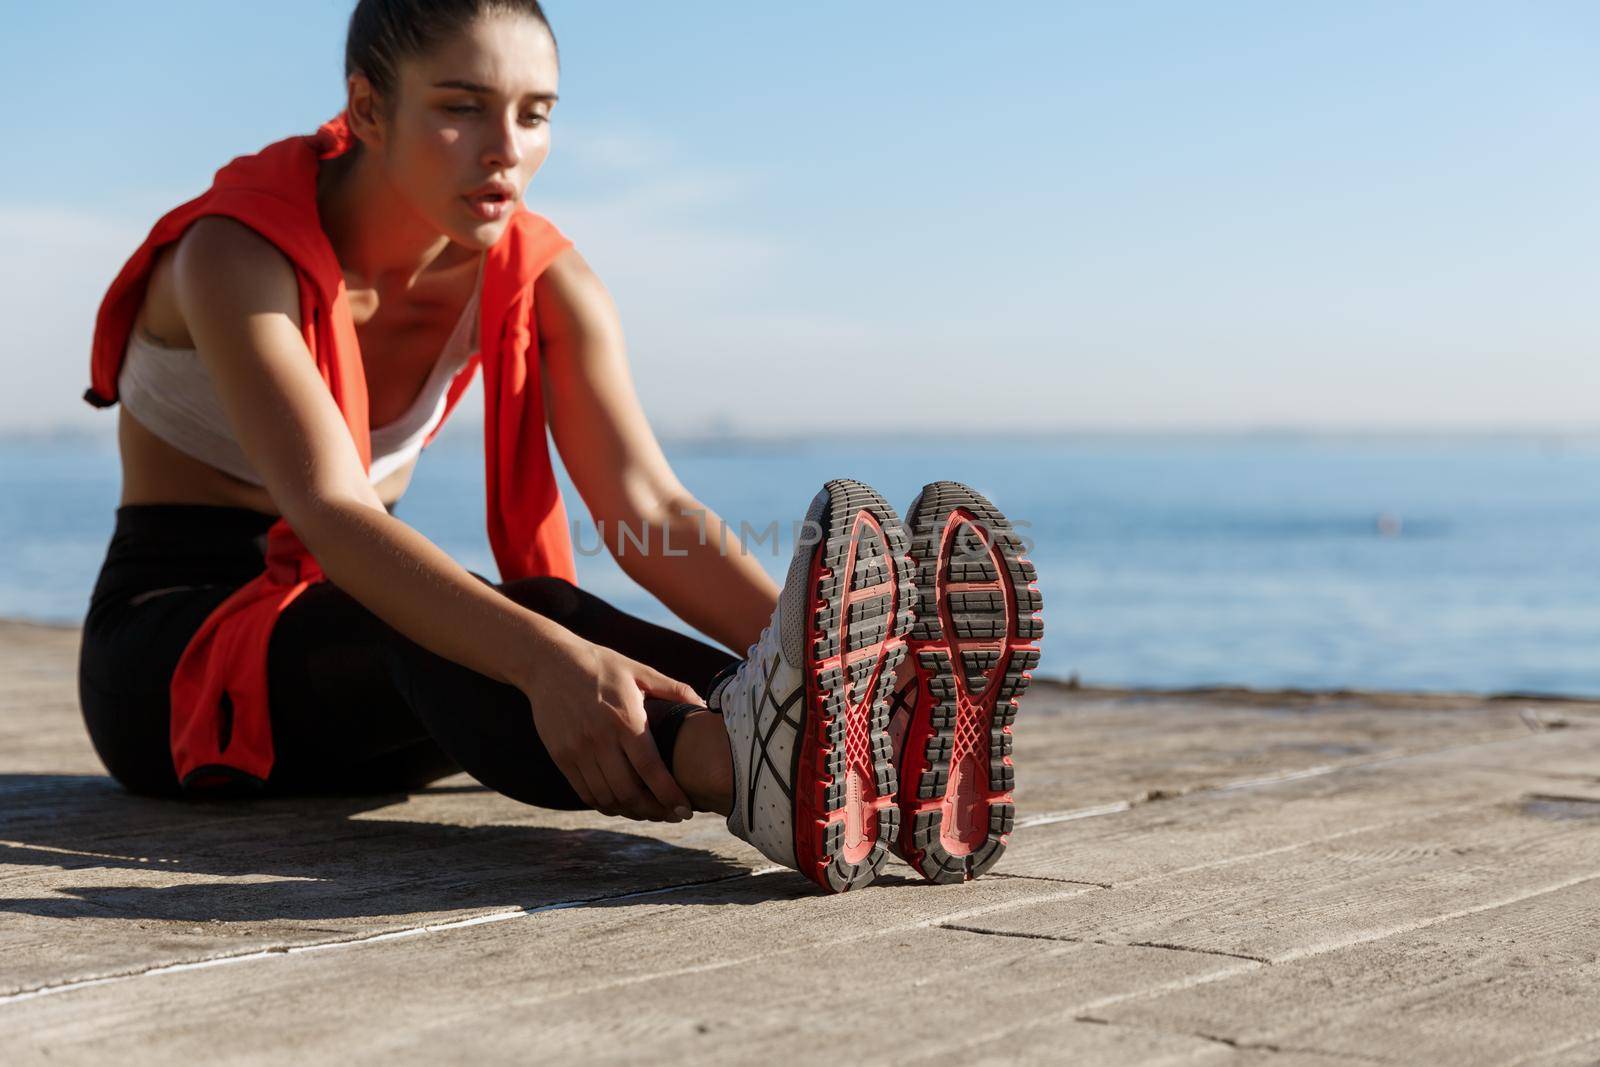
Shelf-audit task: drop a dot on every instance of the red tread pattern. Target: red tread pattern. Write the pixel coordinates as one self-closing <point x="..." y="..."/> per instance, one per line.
<point x="974" y="641"/>
<point x="845" y="814"/>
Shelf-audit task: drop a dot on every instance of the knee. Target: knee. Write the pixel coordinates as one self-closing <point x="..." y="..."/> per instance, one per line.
<point x="548" y="595"/>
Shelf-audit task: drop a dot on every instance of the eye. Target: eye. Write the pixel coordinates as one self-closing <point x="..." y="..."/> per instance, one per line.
<point x="536" y="120"/>
<point x="461" y="109"/>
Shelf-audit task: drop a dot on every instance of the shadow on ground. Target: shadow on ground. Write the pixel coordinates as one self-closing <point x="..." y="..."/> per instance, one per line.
<point x="313" y="858"/>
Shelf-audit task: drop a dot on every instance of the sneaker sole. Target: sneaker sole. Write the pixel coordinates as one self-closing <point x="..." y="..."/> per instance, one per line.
<point x="862" y="601"/>
<point x="973" y="644"/>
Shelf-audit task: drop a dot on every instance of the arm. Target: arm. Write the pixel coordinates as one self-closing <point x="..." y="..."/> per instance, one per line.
<point x="618" y="467"/>
<point x="240" y="300"/>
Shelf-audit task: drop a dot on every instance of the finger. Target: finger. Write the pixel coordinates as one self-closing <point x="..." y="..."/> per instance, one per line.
<point x="635" y="799"/>
<point x="604" y="797"/>
<point x="652" y="770"/>
<point x="574" y="776"/>
<point x="657" y="684"/>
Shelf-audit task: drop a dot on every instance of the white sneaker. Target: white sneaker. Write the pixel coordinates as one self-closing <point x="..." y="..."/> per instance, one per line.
<point x="807" y="711"/>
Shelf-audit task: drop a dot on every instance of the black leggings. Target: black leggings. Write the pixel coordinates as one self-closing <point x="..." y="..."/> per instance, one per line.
<point x="356" y="706"/>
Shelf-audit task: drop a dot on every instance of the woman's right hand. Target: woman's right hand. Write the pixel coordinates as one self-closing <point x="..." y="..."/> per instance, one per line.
<point x="588" y="706"/>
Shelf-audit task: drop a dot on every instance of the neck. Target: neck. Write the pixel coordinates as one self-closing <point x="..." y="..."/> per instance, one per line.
<point x="379" y="241"/>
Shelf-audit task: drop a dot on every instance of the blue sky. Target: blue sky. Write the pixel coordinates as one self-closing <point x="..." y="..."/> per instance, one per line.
<point x="1051" y="215"/>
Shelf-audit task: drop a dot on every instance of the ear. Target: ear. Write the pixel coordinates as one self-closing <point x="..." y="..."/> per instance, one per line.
<point x="364" y="111"/>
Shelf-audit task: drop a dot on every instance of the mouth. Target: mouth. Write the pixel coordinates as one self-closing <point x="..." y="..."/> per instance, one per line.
<point x="490" y="205"/>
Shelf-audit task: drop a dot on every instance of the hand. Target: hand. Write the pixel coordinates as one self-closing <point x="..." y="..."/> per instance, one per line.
<point x="588" y="706"/>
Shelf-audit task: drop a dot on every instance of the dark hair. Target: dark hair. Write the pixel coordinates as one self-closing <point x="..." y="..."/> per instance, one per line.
<point x="383" y="32"/>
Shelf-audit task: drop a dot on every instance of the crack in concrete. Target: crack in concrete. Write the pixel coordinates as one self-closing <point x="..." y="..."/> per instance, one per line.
<point x="1233" y="1042"/>
<point x="1264" y="961"/>
<point x="1308" y="952"/>
<point x="1047" y="878"/>
<point x="1010" y="933"/>
<point x="1562" y="798"/>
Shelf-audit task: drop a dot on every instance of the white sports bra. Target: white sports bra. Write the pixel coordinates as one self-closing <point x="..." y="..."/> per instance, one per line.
<point x="169" y="390"/>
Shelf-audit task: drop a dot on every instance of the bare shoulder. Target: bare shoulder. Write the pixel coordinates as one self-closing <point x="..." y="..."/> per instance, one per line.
<point x="213" y="252"/>
<point x="222" y="235"/>
<point x="222" y="261"/>
<point x="568" y="275"/>
<point x="240" y="298"/>
<point x="571" y="300"/>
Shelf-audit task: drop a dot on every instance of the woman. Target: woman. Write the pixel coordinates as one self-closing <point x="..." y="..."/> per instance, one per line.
<point x="286" y="344"/>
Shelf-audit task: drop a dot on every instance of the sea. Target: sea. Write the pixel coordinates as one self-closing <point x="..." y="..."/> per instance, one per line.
<point x="1462" y="563"/>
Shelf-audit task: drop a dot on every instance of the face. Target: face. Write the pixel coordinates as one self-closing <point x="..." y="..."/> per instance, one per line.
<point x="470" y="126"/>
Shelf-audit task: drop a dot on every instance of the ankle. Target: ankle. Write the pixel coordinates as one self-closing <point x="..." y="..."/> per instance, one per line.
<point x="703" y="763"/>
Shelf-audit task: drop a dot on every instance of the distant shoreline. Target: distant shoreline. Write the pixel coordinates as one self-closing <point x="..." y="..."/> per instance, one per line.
<point x="468" y="432"/>
<point x="1421" y="700"/>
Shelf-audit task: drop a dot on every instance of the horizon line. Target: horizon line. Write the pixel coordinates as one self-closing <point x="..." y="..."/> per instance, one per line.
<point x="822" y="432"/>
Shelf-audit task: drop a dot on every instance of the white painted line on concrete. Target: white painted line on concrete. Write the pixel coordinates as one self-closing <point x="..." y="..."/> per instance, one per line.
<point x="1120" y="806"/>
<point x="390" y="935"/>
<point x="1077" y="813"/>
<point x="53" y="849"/>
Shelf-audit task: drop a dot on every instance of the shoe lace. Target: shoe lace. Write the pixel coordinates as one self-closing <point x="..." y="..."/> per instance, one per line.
<point x="750" y="653"/>
<point x="736" y="671"/>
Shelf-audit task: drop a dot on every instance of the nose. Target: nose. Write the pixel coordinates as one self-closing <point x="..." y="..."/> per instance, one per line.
<point x="502" y="152"/>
